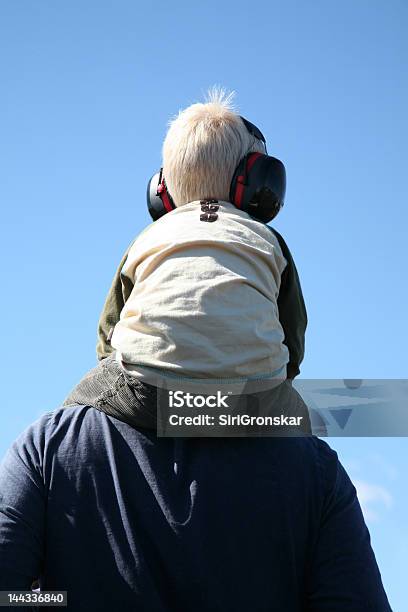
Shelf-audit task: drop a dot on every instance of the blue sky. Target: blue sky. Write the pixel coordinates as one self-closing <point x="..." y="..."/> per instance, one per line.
<point x="87" y="91"/>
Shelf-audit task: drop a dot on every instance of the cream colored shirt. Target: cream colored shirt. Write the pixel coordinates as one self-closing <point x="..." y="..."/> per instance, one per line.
<point x="204" y="302"/>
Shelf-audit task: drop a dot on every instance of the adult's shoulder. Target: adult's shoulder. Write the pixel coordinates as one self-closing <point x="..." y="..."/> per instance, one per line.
<point x="337" y="489"/>
<point x="61" y="423"/>
<point x="311" y="461"/>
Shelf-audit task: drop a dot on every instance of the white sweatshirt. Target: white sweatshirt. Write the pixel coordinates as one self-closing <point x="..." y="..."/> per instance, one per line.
<point x="204" y="301"/>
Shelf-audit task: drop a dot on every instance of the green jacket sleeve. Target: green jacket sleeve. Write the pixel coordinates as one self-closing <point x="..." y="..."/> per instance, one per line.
<point x="119" y="292"/>
<point x="292" y="310"/>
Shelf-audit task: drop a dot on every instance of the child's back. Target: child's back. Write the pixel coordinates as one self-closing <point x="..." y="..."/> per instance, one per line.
<point x="204" y="301"/>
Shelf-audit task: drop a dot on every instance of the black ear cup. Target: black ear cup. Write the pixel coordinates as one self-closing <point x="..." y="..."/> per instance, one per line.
<point x="258" y="186"/>
<point x="159" y="200"/>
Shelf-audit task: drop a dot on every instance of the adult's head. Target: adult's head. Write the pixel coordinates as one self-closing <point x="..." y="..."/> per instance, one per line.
<point x="203" y="146"/>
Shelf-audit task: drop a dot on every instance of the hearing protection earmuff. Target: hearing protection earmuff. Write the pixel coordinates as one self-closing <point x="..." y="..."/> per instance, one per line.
<point x="258" y="185"/>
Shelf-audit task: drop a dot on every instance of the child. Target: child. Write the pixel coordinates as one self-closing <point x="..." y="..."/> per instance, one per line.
<point x="218" y="300"/>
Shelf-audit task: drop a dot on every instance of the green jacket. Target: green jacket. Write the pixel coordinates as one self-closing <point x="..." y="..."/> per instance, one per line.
<point x="292" y="310"/>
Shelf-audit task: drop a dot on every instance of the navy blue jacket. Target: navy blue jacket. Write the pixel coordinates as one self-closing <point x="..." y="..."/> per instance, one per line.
<point x="127" y="521"/>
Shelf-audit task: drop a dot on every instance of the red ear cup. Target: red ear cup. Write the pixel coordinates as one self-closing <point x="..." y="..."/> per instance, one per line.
<point x="159" y="200"/>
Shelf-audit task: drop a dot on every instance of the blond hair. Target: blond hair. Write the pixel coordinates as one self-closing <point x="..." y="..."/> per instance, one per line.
<point x="203" y="147"/>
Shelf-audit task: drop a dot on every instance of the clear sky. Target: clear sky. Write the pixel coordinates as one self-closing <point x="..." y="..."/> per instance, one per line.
<point x="87" y="89"/>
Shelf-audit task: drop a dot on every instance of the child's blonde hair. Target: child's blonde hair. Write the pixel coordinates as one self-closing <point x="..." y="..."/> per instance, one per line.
<point x="203" y="147"/>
